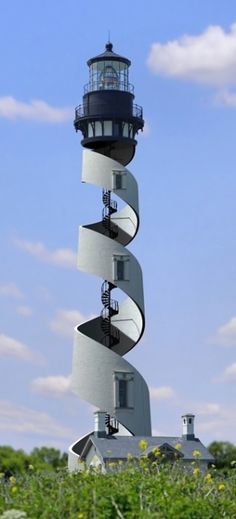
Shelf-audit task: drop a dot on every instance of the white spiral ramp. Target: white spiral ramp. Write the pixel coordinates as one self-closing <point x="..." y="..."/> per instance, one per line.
<point x="96" y="361"/>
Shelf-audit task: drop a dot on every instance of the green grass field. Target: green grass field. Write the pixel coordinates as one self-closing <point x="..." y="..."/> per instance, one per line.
<point x="134" y="491"/>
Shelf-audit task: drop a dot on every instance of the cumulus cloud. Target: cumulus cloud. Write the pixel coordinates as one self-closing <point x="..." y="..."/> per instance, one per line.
<point x="161" y="393"/>
<point x="229" y="374"/>
<point x="14" y="348"/>
<point x="24" y="310"/>
<point x="208" y="409"/>
<point x="226" y="98"/>
<point x="226" y="334"/>
<point x="209" y="57"/>
<point x="11" y="290"/>
<point x="65" y="320"/>
<point x="221" y="426"/>
<point x="55" y="386"/>
<point x="37" y="110"/>
<point x="58" y="257"/>
<point x="24" y="420"/>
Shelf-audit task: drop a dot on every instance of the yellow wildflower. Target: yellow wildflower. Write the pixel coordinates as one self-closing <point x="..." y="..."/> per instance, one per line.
<point x="156" y="452"/>
<point x="31" y="467"/>
<point x="81" y="515"/>
<point x="129" y="456"/>
<point x="12" y="480"/>
<point x="196" y="453"/>
<point x="2" y="475"/>
<point x="178" y="446"/>
<point x="14" y="489"/>
<point x="208" y="478"/>
<point x="221" y="486"/>
<point x="196" y="472"/>
<point x="143" y="444"/>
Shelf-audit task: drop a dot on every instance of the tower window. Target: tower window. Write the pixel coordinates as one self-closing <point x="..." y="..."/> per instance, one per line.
<point x="119" y="179"/>
<point x="98" y="128"/>
<point x="123" y="390"/>
<point x="120" y="267"/>
<point x="125" y="130"/>
<point x="190" y="420"/>
<point x="116" y="129"/>
<point x="90" y="130"/>
<point x="107" y="127"/>
<point x="123" y="393"/>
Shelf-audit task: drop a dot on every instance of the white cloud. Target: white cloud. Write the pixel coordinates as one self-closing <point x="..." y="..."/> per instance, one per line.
<point x="14" y="348"/>
<point x="229" y="374"/>
<point x="24" y="310"/>
<point x="221" y="426"/>
<point x="24" y="420"/>
<point x="226" y="334"/>
<point x="226" y="98"/>
<point x="161" y="393"/>
<point x="209" y="57"/>
<point x="65" y="320"/>
<point x="59" y="257"/>
<point x="208" y="409"/>
<point x="11" y="290"/>
<point x="37" y="110"/>
<point x="55" y="386"/>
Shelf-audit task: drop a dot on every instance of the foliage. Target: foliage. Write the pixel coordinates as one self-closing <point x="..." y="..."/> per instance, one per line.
<point x="144" y="490"/>
<point x="14" y="462"/>
<point x="224" y="454"/>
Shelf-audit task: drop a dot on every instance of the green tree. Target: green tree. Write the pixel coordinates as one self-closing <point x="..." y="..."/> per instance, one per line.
<point x="12" y="461"/>
<point x="48" y="456"/>
<point x="224" y="454"/>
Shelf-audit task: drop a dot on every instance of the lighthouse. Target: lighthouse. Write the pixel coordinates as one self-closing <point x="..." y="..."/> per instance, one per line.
<point x="109" y="121"/>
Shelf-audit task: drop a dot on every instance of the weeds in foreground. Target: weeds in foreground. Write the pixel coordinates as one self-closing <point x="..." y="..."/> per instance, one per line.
<point x="137" y="490"/>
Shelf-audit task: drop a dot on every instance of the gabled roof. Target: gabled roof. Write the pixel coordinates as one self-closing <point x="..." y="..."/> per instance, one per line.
<point x="118" y="447"/>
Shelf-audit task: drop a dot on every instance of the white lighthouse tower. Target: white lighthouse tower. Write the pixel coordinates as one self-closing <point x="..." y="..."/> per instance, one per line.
<point x="109" y="121"/>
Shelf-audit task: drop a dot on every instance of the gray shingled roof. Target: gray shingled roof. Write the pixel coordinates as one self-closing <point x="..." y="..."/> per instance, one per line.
<point x="118" y="447"/>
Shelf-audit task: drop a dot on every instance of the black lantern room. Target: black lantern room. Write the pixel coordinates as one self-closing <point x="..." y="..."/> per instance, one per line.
<point x="108" y="118"/>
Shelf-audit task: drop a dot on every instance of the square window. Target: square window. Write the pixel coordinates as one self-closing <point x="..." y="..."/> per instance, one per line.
<point x="123" y="393"/>
<point x="123" y="390"/>
<point x="118" y="179"/>
<point x="121" y="268"/>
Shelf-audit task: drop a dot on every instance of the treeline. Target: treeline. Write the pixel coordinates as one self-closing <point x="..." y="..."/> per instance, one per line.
<point x="14" y="462"/>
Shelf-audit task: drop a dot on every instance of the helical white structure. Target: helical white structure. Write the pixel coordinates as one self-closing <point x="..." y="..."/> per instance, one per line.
<point x="109" y="121"/>
<point x="99" y="344"/>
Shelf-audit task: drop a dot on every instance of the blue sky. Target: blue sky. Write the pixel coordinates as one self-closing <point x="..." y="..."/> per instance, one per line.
<point x="184" y="70"/>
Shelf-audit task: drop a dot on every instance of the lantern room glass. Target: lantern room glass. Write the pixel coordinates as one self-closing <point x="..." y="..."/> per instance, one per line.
<point x="108" y="75"/>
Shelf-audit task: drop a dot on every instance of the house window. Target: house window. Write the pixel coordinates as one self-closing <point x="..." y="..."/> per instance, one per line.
<point x="119" y="179"/>
<point x="121" y="267"/>
<point x="123" y="390"/>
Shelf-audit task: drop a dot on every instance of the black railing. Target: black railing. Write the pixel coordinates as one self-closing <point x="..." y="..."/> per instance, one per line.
<point x="80" y="112"/>
<point x="108" y="85"/>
